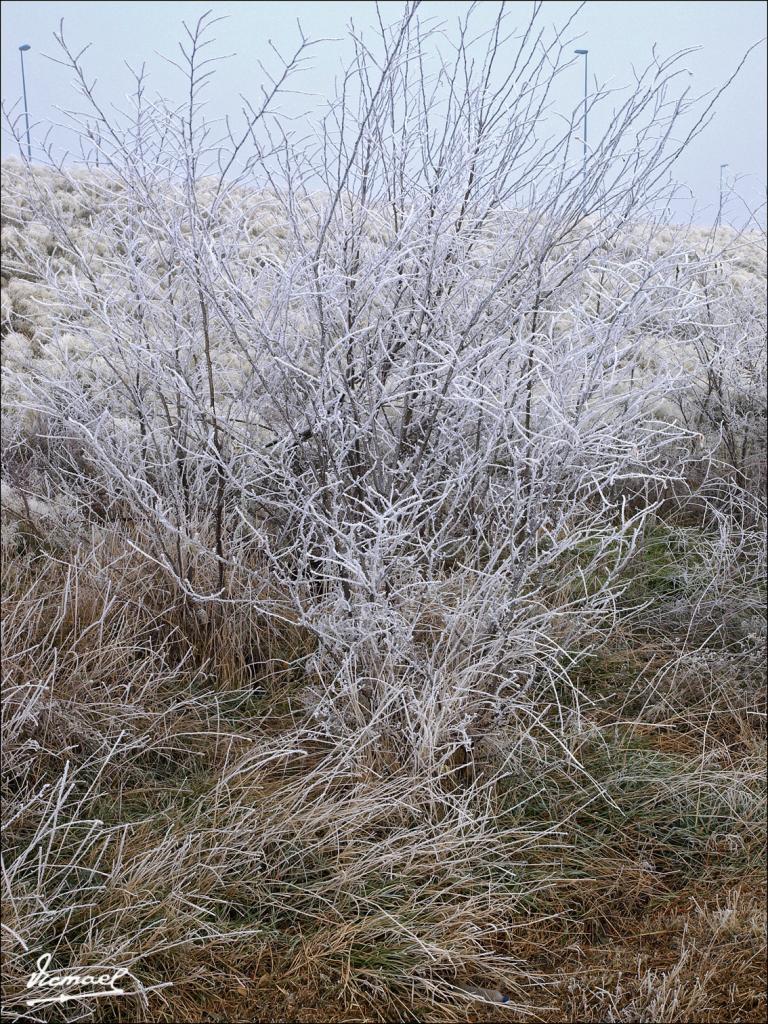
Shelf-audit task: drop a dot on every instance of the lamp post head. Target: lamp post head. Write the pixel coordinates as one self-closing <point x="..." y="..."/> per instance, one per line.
<point x="581" y="51"/>
<point x="25" y="46"/>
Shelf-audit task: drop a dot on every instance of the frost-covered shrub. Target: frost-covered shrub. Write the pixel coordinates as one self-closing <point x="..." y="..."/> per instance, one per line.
<point x="332" y="469"/>
<point x="424" y="369"/>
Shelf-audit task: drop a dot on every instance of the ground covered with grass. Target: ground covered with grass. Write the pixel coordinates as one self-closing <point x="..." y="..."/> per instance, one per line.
<point x="601" y="865"/>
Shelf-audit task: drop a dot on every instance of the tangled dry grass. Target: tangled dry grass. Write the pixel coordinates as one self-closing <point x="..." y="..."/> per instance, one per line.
<point x="383" y="571"/>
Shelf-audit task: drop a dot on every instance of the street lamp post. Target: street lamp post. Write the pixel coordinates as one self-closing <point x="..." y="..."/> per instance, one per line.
<point x="22" y="49"/>
<point x="720" y="206"/>
<point x="584" y="53"/>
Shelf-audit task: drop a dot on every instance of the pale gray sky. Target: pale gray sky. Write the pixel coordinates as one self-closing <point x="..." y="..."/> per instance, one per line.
<point x="618" y="34"/>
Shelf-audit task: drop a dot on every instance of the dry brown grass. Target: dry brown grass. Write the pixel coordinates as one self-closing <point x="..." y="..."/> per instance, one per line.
<point x="193" y="828"/>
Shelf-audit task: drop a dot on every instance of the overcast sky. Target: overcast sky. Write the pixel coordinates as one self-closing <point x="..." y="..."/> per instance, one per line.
<point x="618" y="34"/>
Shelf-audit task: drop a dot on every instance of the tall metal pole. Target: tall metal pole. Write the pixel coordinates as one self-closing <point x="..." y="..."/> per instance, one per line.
<point x="584" y="54"/>
<point x="22" y="48"/>
<point x="720" y="207"/>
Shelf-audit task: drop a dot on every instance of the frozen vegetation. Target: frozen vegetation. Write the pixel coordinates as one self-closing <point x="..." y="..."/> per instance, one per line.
<point x="384" y="551"/>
